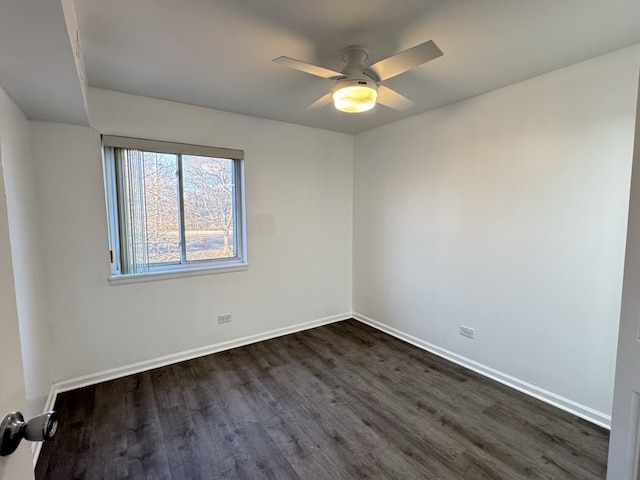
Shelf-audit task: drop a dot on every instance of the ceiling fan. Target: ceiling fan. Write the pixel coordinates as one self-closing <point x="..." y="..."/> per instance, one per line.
<point x="358" y="87"/>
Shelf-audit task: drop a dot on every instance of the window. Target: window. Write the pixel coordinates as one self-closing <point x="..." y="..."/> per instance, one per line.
<point x="173" y="207"/>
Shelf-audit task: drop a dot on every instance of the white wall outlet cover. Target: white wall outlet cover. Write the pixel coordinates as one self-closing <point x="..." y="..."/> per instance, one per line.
<point x="466" y="331"/>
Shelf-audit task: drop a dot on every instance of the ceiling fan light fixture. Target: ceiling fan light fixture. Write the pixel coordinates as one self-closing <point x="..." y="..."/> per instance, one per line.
<point x="355" y="96"/>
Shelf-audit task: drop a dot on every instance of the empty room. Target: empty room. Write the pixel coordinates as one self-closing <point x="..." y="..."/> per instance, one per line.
<point x="319" y="240"/>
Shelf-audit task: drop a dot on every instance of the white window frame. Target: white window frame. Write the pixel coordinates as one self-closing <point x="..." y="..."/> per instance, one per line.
<point x="194" y="268"/>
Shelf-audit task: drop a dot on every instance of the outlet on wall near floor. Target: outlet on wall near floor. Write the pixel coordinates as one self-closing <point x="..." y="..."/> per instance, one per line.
<point x="466" y="331"/>
<point x="224" y="318"/>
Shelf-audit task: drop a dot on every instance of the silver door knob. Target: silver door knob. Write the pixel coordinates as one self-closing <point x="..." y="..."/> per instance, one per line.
<point x="13" y="429"/>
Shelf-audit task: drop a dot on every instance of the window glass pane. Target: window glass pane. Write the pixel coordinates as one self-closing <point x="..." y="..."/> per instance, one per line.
<point x="209" y="219"/>
<point x="161" y="207"/>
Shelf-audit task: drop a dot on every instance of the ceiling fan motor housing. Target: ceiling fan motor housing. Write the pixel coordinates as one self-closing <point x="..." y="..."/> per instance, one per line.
<point x="355" y="57"/>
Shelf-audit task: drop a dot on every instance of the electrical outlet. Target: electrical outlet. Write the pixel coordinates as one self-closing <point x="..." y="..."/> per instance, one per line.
<point x="224" y="318"/>
<point x="466" y="331"/>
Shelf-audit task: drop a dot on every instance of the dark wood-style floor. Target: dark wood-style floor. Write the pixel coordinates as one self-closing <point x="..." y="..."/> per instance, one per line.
<point x="337" y="402"/>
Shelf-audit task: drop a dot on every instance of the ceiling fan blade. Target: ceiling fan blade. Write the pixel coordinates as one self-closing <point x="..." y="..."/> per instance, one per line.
<point x="307" y="67"/>
<point x="406" y="60"/>
<point x="321" y="102"/>
<point x="392" y="99"/>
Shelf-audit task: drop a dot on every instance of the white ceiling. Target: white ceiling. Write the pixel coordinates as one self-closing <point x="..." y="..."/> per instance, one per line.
<point x="37" y="67"/>
<point x="217" y="53"/>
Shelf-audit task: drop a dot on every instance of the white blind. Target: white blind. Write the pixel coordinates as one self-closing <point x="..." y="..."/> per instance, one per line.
<point x="133" y="248"/>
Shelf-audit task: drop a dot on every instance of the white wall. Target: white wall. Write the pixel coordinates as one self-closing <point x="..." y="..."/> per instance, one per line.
<point x="27" y="253"/>
<point x="12" y="390"/>
<point x="506" y="213"/>
<point x="299" y="194"/>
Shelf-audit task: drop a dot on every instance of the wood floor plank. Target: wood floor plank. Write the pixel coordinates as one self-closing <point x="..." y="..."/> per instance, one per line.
<point x="340" y="401"/>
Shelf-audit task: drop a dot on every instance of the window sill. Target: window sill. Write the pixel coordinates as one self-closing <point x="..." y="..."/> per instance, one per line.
<point x="167" y="275"/>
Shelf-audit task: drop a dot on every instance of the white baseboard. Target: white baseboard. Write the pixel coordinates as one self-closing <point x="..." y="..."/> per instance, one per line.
<point x="35" y="452"/>
<point x="120" y="372"/>
<point x="546" y="396"/>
